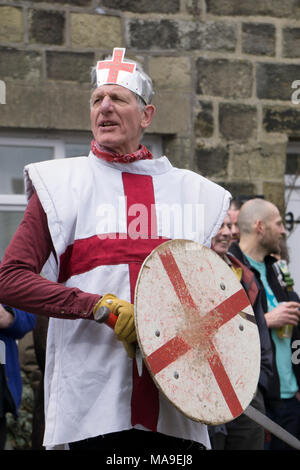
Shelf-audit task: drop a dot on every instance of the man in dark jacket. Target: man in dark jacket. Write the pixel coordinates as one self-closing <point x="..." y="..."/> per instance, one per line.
<point x="243" y="433"/>
<point x="14" y="324"/>
<point x="261" y="230"/>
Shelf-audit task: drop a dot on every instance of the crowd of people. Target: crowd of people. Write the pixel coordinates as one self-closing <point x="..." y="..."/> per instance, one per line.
<point x="67" y="263"/>
<point x="259" y="244"/>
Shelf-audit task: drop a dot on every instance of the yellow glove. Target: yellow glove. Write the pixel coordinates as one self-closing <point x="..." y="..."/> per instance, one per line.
<point x="124" y="327"/>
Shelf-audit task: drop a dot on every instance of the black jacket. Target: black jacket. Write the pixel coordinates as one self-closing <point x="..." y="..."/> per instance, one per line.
<point x="282" y="295"/>
<point x="253" y="290"/>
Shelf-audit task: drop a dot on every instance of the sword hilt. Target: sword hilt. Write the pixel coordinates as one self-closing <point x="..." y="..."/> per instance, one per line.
<point x="104" y="315"/>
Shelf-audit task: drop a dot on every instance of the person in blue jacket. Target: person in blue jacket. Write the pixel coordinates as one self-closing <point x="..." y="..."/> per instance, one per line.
<point x="14" y="324"/>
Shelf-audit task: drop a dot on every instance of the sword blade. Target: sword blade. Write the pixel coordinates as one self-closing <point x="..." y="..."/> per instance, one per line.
<point x="139" y="360"/>
<point x="271" y="426"/>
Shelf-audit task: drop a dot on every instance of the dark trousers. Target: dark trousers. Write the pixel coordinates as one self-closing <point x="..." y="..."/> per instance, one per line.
<point x="287" y="415"/>
<point x="2" y="432"/>
<point x="242" y="433"/>
<point x="135" y="440"/>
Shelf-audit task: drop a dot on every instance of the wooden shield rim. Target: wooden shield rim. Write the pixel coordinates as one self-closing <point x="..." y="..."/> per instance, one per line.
<point x="136" y="303"/>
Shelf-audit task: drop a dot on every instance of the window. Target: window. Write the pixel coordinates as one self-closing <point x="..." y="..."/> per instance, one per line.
<point x="17" y="150"/>
<point x="15" y="153"/>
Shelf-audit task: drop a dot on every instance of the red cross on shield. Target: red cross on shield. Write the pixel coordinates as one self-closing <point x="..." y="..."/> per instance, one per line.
<point x="197" y="331"/>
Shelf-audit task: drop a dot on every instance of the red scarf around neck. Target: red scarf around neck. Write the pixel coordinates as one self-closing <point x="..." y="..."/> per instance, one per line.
<point x="141" y="154"/>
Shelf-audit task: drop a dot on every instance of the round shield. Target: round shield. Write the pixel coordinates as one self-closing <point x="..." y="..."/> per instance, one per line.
<point x="197" y="331"/>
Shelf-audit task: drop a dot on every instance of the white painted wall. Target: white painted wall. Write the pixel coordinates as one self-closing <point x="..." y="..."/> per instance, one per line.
<point x="292" y="195"/>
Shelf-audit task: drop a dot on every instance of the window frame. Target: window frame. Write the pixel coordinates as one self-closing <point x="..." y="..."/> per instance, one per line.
<point x="17" y="202"/>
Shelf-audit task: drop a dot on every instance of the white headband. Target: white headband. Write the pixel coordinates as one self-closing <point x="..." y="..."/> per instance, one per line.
<point x="117" y="71"/>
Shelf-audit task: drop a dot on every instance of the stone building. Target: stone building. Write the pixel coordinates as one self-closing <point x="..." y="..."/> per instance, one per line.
<point x="225" y="74"/>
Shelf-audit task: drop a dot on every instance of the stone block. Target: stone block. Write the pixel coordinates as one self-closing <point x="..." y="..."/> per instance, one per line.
<point x="148" y="34"/>
<point x="237" y="121"/>
<point x="282" y="119"/>
<point x="20" y="65"/>
<point x="212" y="161"/>
<point x="273" y="81"/>
<point x="193" y="7"/>
<point x="168" y="121"/>
<point x="73" y="66"/>
<point x="276" y="8"/>
<point x="239" y="188"/>
<point x="144" y="6"/>
<point x="170" y="72"/>
<point x="77" y="3"/>
<point x="204" y="119"/>
<point x="46" y="27"/>
<point x="11" y="24"/>
<point x="265" y="160"/>
<point x="258" y="39"/>
<point x="291" y="42"/>
<point x="96" y="31"/>
<point x="223" y="77"/>
<point x="47" y="106"/>
<point x="208" y="36"/>
<point x="178" y="150"/>
<point x="275" y="192"/>
<point x="188" y="35"/>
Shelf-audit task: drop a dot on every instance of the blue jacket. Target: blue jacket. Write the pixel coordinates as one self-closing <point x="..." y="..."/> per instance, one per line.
<point x="23" y="323"/>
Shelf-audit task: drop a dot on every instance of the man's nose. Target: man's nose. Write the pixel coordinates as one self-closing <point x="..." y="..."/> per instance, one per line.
<point x="106" y="104"/>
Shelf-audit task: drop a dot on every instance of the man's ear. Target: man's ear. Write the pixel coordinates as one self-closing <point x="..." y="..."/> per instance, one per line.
<point x="259" y="226"/>
<point x="148" y="113"/>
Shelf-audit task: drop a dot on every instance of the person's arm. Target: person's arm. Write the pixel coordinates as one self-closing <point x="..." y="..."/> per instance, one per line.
<point x="21" y="284"/>
<point x="6" y="317"/>
<point x="16" y="322"/>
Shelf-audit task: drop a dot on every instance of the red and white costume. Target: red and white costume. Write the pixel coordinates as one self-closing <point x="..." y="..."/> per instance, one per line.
<point x="92" y="387"/>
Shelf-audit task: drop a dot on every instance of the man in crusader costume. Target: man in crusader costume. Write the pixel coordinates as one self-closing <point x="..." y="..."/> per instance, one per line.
<point x="90" y="223"/>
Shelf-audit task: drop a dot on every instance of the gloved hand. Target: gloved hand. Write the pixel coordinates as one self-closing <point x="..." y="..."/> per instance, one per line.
<point x="124" y="327"/>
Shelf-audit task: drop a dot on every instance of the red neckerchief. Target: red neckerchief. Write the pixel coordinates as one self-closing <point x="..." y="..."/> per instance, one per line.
<point x="141" y="154"/>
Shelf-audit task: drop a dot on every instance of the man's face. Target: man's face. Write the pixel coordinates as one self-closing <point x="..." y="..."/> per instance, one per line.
<point x="116" y="120"/>
<point x="235" y="232"/>
<point x="221" y="242"/>
<point x="273" y="231"/>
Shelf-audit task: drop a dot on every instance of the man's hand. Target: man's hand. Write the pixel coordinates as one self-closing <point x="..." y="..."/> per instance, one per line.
<point x="124" y="327"/>
<point x="286" y="313"/>
<point x="6" y="318"/>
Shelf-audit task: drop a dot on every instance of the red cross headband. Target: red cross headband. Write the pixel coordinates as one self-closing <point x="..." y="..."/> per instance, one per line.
<point x="120" y="72"/>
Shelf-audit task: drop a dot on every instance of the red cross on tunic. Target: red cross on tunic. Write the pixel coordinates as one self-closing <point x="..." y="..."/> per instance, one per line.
<point x="86" y="254"/>
<point x="116" y="65"/>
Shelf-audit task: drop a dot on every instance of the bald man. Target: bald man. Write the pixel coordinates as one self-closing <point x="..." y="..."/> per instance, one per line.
<point x="261" y="231"/>
<point x="243" y="433"/>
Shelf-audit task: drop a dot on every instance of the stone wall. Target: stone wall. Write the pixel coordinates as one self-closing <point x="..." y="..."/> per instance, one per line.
<point x="222" y="70"/>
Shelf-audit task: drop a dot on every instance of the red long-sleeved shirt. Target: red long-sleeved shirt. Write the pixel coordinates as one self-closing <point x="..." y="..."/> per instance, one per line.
<point x="21" y="284"/>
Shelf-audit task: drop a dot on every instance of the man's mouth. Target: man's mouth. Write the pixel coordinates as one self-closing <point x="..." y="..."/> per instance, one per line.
<point x="107" y="124"/>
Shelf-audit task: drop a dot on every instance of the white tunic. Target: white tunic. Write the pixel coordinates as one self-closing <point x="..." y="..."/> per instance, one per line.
<point x="88" y="378"/>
